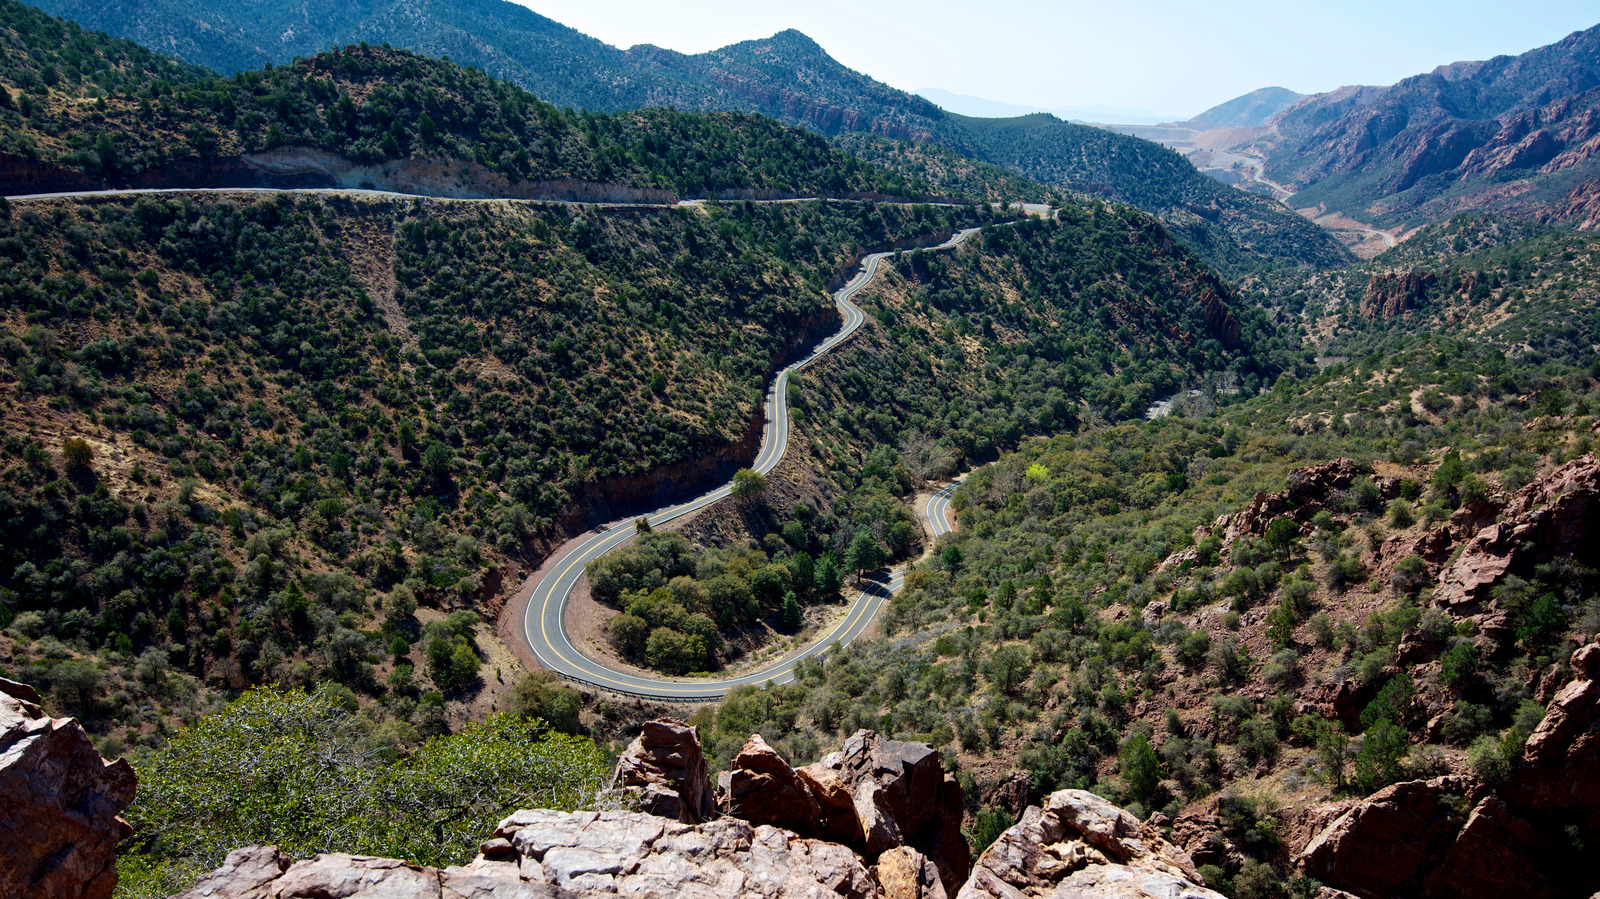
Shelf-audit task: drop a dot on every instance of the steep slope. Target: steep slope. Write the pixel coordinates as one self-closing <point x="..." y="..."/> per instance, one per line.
<point x="506" y="40"/>
<point x="1512" y="133"/>
<point x="235" y="424"/>
<point x="1233" y="230"/>
<point x="787" y="77"/>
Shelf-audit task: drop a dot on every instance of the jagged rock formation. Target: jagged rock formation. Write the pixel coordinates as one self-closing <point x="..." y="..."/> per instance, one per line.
<point x="1392" y="294"/>
<point x="1079" y="845"/>
<point x="665" y="769"/>
<point x="59" y="802"/>
<point x="1456" y="837"/>
<point x="875" y="795"/>
<point x="1552" y="517"/>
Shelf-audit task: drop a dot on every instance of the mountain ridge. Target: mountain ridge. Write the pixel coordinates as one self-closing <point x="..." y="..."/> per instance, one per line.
<point x="788" y="77"/>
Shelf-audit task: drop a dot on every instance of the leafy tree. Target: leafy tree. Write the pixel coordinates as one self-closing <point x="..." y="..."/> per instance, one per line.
<point x="541" y="695"/>
<point x="294" y="769"/>
<point x="452" y="663"/>
<point x="1282" y="535"/>
<point x="1007" y="667"/>
<point x="675" y="652"/>
<point x="1383" y="746"/>
<point x="864" y="554"/>
<point x="951" y="558"/>
<point x="791" y="615"/>
<point x="987" y="827"/>
<point x="628" y="633"/>
<point x="77" y="454"/>
<point x="1393" y="702"/>
<point x="1332" y="745"/>
<point x="1458" y="665"/>
<point x="829" y="580"/>
<point x="1140" y="768"/>
<point x="748" y="486"/>
<point x="77" y="682"/>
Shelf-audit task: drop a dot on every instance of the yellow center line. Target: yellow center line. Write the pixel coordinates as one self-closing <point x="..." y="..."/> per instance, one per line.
<point x="854" y="317"/>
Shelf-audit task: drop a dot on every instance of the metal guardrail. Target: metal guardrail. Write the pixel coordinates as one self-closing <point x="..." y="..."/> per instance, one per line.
<point x="652" y="697"/>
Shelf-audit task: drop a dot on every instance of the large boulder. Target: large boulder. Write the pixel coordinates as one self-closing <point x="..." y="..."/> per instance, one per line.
<point x="59" y="802"/>
<point x="539" y="854"/>
<point x="1079" y="845"/>
<point x="1386" y="844"/>
<point x="1553" y="517"/>
<point x="763" y="789"/>
<point x="873" y="795"/>
<point x="666" y="771"/>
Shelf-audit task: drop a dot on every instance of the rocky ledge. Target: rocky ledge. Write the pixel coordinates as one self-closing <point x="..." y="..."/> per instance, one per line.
<point x="59" y="802"/>
<point x="880" y="819"/>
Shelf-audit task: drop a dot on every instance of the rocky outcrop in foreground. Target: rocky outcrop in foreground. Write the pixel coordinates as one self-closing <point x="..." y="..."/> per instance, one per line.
<point x="874" y="795"/>
<point x="59" y="802"/>
<point x="895" y="795"/>
<point x="1079" y="845"/>
<point x="664" y="771"/>
<point x="566" y="854"/>
<point x="1456" y="837"/>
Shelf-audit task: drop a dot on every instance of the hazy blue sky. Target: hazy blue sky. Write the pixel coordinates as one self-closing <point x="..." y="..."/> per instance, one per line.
<point x="1170" y="57"/>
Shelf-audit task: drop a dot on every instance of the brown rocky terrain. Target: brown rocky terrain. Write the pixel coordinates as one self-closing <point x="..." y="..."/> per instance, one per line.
<point x="1511" y="133"/>
<point x="1457" y="836"/>
<point x="873" y="790"/>
<point x="59" y="827"/>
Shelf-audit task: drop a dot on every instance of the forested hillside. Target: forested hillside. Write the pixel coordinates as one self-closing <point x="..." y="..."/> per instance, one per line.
<point x="1235" y="231"/>
<point x="1034" y="328"/>
<point x="248" y="437"/>
<point x="1124" y="610"/>
<point x="369" y="105"/>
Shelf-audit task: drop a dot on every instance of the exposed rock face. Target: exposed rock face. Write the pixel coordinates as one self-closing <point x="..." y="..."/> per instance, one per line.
<point x="1219" y="319"/>
<point x="539" y="854"/>
<point x="1560" y="772"/>
<point x="874" y="795"/>
<point x="1379" y="846"/>
<point x="1555" y="516"/>
<point x="1317" y="481"/>
<point x="1580" y="207"/>
<point x="1079" y="845"/>
<point x="1453" y="837"/>
<point x="665" y="766"/>
<point x="1302" y="498"/>
<point x="903" y="873"/>
<point x="1390" y="295"/>
<point x="59" y="802"/>
<point x="763" y="789"/>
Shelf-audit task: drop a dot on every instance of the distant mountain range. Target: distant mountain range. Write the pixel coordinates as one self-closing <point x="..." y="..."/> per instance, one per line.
<point x="1514" y="133"/>
<point x="979" y="107"/>
<point x="787" y="77"/>
<point x="1252" y="109"/>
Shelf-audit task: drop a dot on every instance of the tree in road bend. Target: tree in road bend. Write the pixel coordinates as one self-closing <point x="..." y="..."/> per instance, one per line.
<point x="864" y="553"/>
<point x="748" y="486"/>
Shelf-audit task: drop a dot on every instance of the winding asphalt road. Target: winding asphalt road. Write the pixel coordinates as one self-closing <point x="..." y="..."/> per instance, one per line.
<point x="939" y="509"/>
<point x="543" y="624"/>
